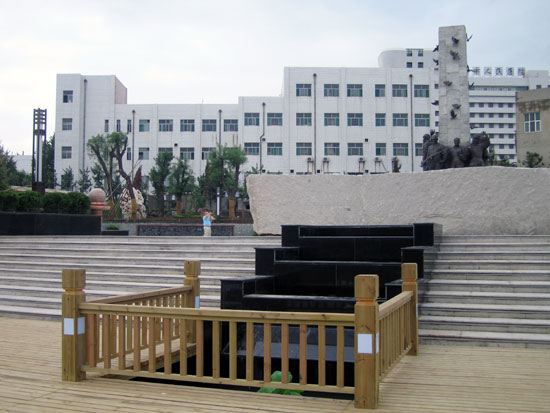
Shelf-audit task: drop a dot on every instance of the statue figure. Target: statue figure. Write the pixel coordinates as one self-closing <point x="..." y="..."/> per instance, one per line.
<point x="478" y="150"/>
<point x="425" y="145"/>
<point x="458" y="156"/>
<point x="436" y="154"/>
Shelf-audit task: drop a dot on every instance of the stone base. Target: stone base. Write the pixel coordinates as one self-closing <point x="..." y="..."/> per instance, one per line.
<point x="484" y="201"/>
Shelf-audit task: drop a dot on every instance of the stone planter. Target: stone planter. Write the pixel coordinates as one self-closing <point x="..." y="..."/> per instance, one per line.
<point x="26" y="223"/>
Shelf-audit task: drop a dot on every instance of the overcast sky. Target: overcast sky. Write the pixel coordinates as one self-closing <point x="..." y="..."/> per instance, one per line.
<point x="178" y="51"/>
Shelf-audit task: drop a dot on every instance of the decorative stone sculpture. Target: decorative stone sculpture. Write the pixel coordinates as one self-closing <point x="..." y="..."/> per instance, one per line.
<point x="436" y="156"/>
<point x="458" y="156"/>
<point x="126" y="204"/>
<point x="97" y="197"/>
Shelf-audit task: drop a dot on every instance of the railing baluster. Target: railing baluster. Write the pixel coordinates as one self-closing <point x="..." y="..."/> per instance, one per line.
<point x="322" y="348"/>
<point x="249" y="351"/>
<point x="303" y="353"/>
<point x="106" y="350"/>
<point x="232" y="350"/>
<point x="113" y="335"/>
<point x="152" y="345"/>
<point x="215" y="349"/>
<point x="183" y="347"/>
<point x="340" y="356"/>
<point x="137" y="345"/>
<point x="91" y="340"/>
<point x="167" y="325"/>
<point x="267" y="352"/>
<point x="200" y="349"/>
<point x="122" y="342"/>
<point x="284" y="352"/>
<point x="144" y="328"/>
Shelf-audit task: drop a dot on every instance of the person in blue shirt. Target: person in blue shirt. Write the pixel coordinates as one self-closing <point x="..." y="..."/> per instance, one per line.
<point x="207" y="223"/>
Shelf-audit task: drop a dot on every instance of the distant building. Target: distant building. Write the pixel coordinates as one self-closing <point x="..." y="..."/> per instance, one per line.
<point x="328" y="120"/>
<point x="533" y="114"/>
<point x="23" y="162"/>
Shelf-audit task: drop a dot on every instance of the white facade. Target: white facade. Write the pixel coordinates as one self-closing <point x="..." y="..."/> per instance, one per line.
<point x="328" y="120"/>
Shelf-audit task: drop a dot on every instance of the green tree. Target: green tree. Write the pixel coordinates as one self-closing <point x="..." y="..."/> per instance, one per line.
<point x="180" y="181"/>
<point x="118" y="143"/>
<point x="84" y="184"/>
<point x="100" y="149"/>
<point x="98" y="176"/>
<point x="533" y="160"/>
<point x="48" y="160"/>
<point x="158" y="175"/>
<point x="67" y="179"/>
<point x="5" y="160"/>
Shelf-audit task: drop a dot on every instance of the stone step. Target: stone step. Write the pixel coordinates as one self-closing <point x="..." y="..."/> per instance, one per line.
<point x="491" y="264"/>
<point x="481" y="297"/>
<point x="502" y="239"/>
<point x="126" y="267"/>
<point x="485" y="310"/>
<point x="486" y="339"/>
<point x="510" y="286"/>
<point x="494" y="255"/>
<point x="502" y="325"/>
<point x="485" y="274"/>
<point x="83" y="259"/>
<point x="500" y="247"/>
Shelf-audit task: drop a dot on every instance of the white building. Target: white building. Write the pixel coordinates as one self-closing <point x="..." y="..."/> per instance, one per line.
<point x="328" y="120"/>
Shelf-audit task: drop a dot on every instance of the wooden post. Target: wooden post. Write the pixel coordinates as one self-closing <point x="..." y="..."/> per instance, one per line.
<point x="367" y="342"/>
<point x="409" y="274"/>
<point x="73" y="325"/>
<point x="192" y="271"/>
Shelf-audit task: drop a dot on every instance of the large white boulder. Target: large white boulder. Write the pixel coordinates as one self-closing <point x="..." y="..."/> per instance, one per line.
<point x="485" y="200"/>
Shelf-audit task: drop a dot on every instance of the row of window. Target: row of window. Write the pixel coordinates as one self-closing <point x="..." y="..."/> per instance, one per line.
<point x="492" y="125"/>
<point x="491" y="115"/>
<point x="356" y="90"/>
<point x="490" y="105"/>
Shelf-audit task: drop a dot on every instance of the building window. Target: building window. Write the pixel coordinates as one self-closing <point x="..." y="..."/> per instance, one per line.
<point x="332" y="149"/>
<point x="106" y="129"/>
<point x="380" y="119"/>
<point x="417" y="149"/>
<point x="143" y="154"/>
<point x="532" y="122"/>
<point x="355" y="119"/>
<point x="409" y="65"/>
<point x="205" y="153"/>
<point x="436" y="86"/>
<point x="129" y="126"/>
<point x="332" y="119"/>
<point x="501" y="105"/>
<point x="66" y="152"/>
<point x="379" y="91"/>
<point x="409" y="52"/>
<point x="380" y="149"/>
<point x="481" y="115"/>
<point x="166" y="125"/>
<point x="252" y="148"/>
<point x="187" y="153"/>
<point x="510" y="115"/>
<point x="303" y="119"/>
<point x="491" y="115"/>
<point x="399" y="91"/>
<point x="67" y="96"/>
<point x="274" y="119"/>
<point x="67" y="124"/>
<point x="118" y="126"/>
<point x="510" y="146"/>
<point x="400" y="149"/>
<point x="251" y="119"/>
<point x="209" y="125"/>
<point x="420" y="65"/>
<point x="332" y="89"/>
<point x="129" y="154"/>
<point x="355" y="90"/>
<point x="355" y="149"/>
<point x="420" y="53"/>
<point x="230" y="125"/>
<point x="421" y="119"/>
<point x="421" y="91"/>
<point x="400" y="119"/>
<point x="166" y="150"/>
<point x="303" y="148"/>
<point x="481" y="105"/>
<point x="489" y="105"/>
<point x="187" y="125"/>
<point x="275" y="149"/>
<point x="303" y="89"/>
<point x="510" y="105"/>
<point x="144" y="125"/>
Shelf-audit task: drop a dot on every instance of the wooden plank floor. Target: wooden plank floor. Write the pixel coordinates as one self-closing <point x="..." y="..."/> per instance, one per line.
<point x="441" y="379"/>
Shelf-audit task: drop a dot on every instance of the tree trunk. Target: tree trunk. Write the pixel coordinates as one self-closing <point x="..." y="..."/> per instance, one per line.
<point x="231" y="208"/>
<point x="160" y="200"/>
<point x="178" y="207"/>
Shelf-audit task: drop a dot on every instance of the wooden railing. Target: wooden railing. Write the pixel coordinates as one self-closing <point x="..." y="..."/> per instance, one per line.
<point x="140" y="334"/>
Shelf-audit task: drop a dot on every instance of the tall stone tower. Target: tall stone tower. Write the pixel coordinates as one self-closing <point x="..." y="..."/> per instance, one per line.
<point x="454" y="105"/>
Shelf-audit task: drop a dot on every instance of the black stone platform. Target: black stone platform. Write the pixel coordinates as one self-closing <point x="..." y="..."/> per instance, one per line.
<point x="28" y="223"/>
<point x="218" y="230"/>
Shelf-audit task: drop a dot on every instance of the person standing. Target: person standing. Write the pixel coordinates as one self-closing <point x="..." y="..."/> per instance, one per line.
<point x="207" y="223"/>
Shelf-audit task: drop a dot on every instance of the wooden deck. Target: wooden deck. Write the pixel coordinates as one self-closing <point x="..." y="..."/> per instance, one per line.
<point x="440" y="379"/>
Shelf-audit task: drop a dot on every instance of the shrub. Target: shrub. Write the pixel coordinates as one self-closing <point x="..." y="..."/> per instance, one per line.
<point x="112" y="228"/>
<point x="53" y="202"/>
<point x="29" y="201"/>
<point x="8" y="200"/>
<point x="75" y="203"/>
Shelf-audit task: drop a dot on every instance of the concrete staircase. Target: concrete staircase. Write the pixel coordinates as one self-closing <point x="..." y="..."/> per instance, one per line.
<point x="487" y="291"/>
<point x="30" y="267"/>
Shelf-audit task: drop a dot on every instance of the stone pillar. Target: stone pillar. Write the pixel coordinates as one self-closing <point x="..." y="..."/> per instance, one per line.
<point x="454" y="98"/>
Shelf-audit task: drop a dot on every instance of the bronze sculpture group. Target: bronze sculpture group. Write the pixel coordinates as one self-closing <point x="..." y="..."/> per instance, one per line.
<point x="437" y="156"/>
